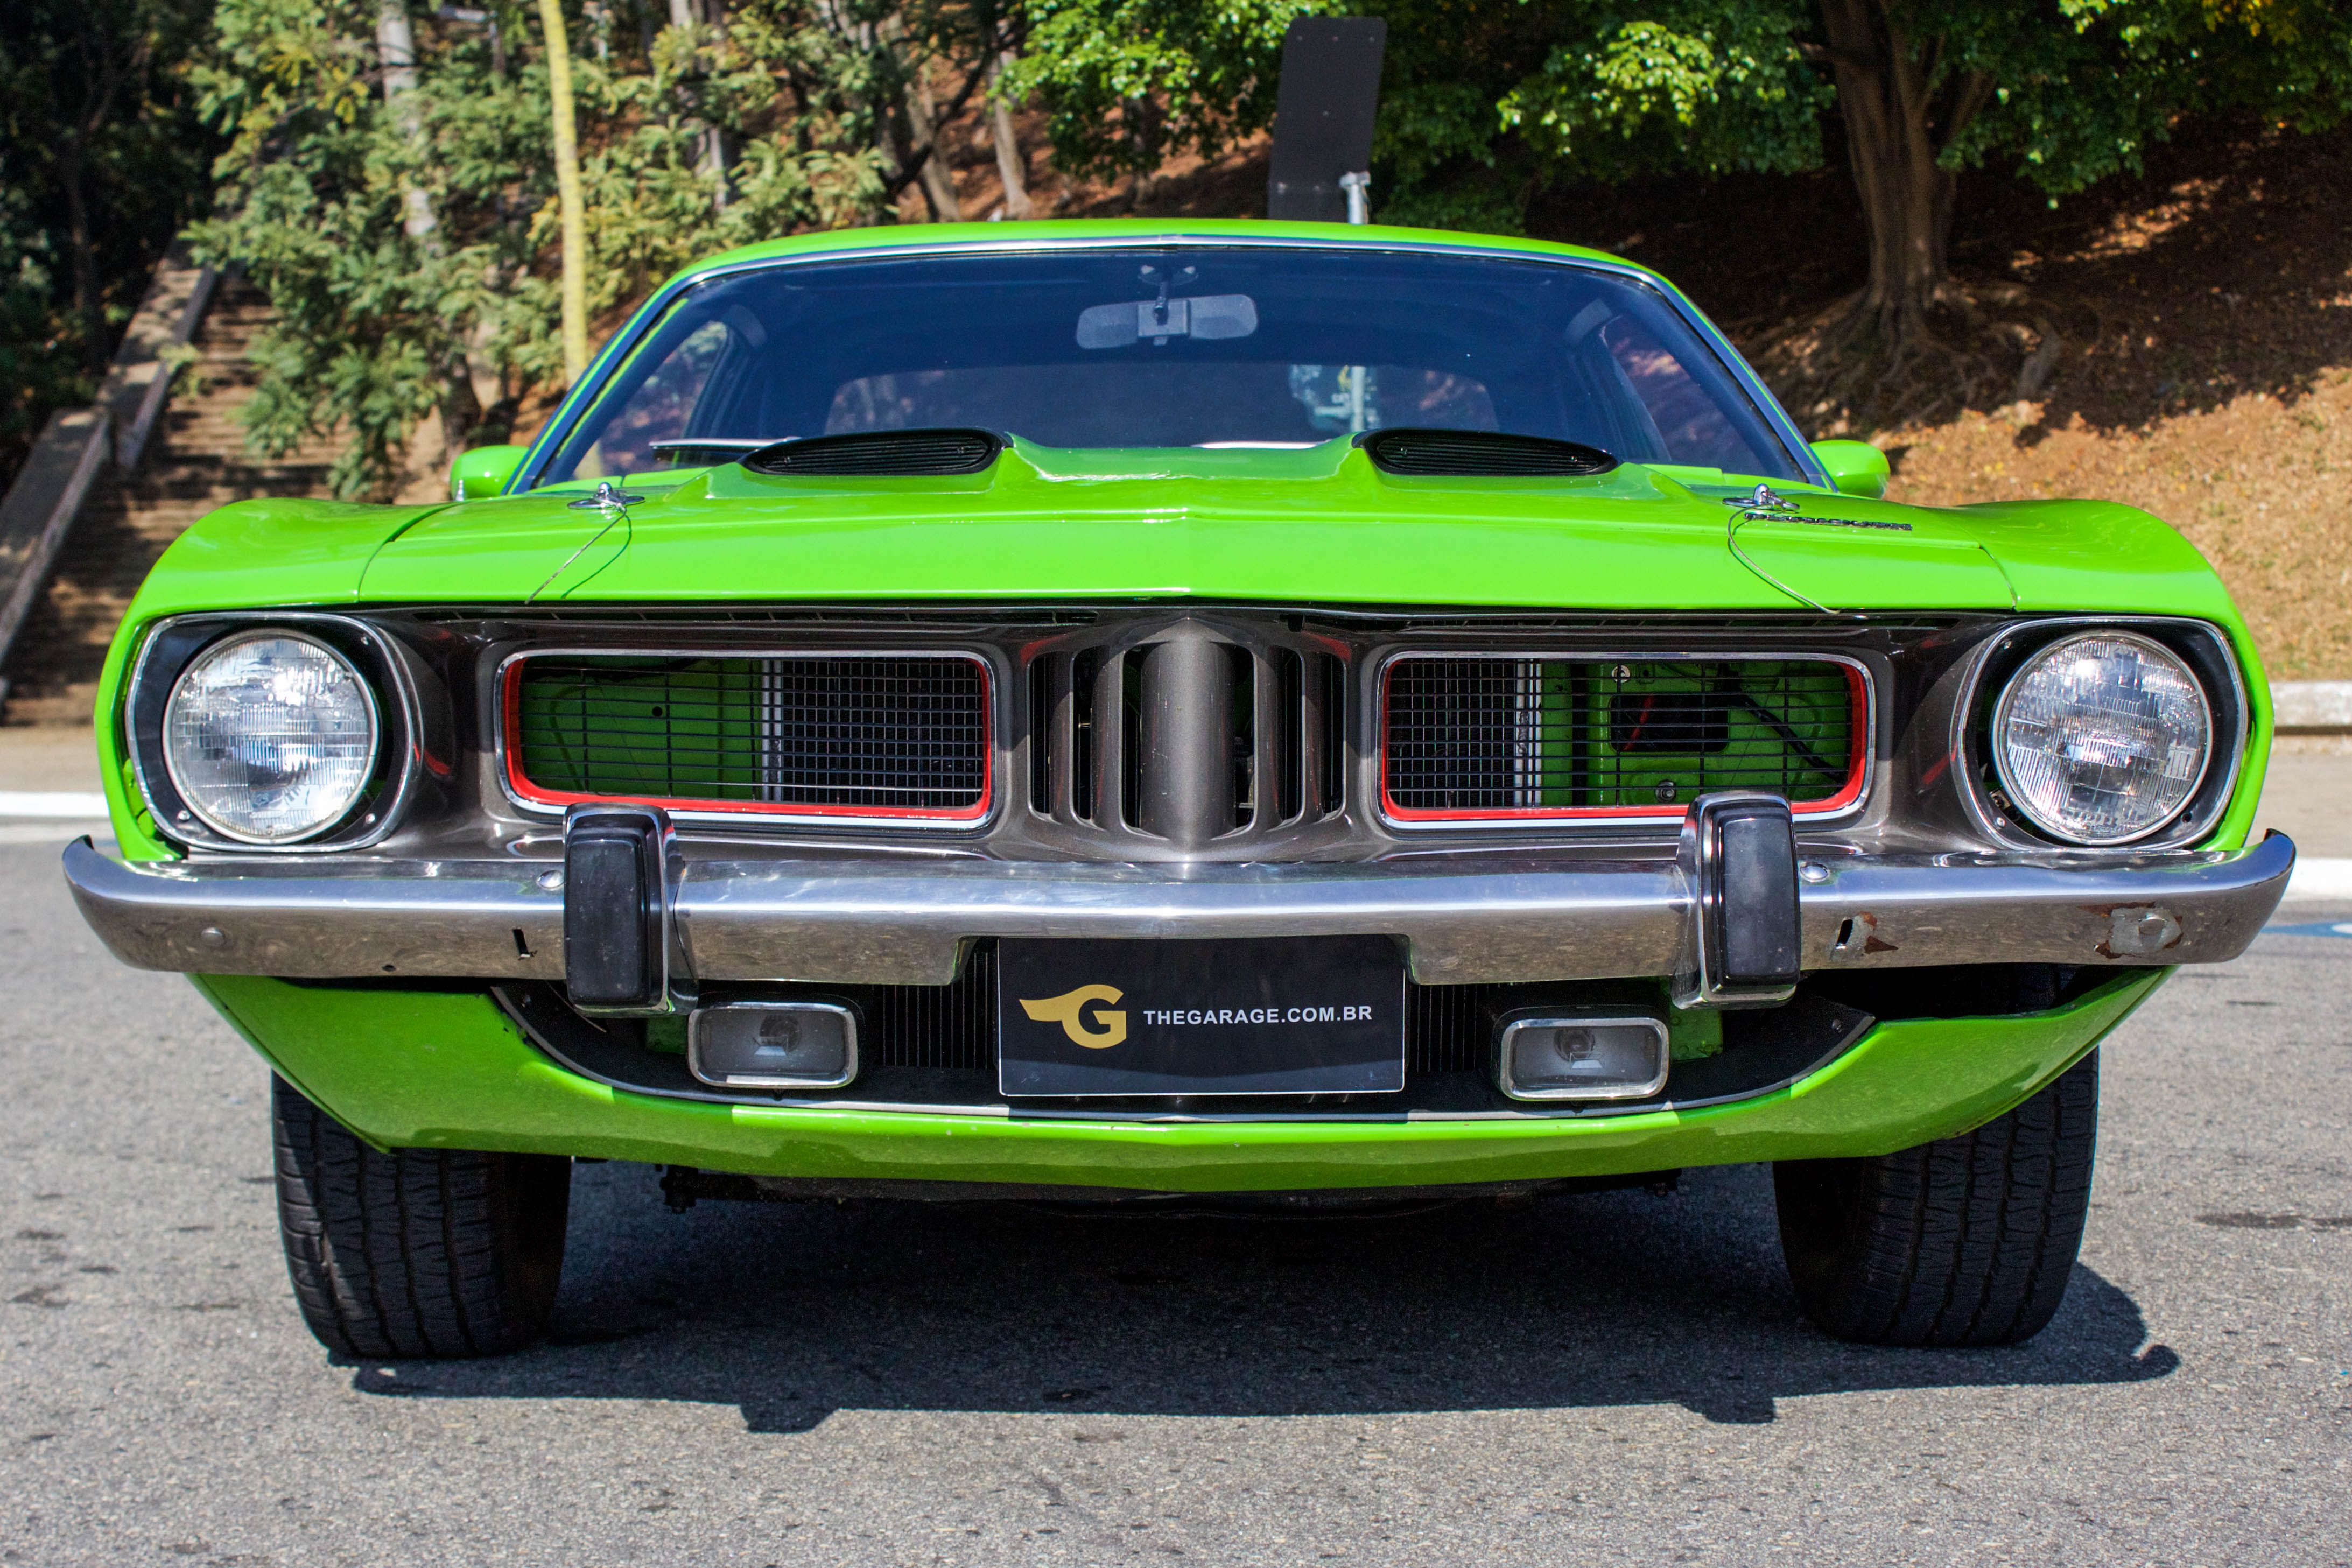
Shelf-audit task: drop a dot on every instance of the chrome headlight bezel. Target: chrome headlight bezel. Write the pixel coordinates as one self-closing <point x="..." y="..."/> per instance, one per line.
<point x="2213" y="663"/>
<point x="2005" y="713"/>
<point x="369" y="714"/>
<point x="387" y="671"/>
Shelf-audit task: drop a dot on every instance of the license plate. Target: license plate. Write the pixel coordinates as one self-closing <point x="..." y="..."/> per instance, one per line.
<point x="1291" y="1015"/>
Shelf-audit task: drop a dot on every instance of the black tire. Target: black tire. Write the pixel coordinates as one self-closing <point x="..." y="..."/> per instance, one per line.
<point x="1964" y="1241"/>
<point x="418" y="1253"/>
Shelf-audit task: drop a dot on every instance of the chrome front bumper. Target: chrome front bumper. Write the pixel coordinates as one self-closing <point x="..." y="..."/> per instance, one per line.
<point x="1497" y="919"/>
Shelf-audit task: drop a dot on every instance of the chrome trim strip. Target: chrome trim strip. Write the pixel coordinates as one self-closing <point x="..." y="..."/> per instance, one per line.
<point x="624" y="343"/>
<point x="1581" y="820"/>
<point x="1497" y="919"/>
<point x="760" y="814"/>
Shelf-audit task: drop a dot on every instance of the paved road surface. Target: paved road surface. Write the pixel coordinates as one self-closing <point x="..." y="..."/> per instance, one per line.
<point x="1620" y="1378"/>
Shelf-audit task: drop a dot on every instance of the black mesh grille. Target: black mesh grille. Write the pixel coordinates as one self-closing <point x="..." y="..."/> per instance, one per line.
<point x="1494" y="735"/>
<point x="896" y="733"/>
<point x="1447" y="1028"/>
<point x="881" y="453"/>
<point x="950" y="1027"/>
<point x="1484" y="453"/>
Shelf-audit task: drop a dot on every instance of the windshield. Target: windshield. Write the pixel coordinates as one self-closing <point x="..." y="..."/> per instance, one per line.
<point x="1172" y="346"/>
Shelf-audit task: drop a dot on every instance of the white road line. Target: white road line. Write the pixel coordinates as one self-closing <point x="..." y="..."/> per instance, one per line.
<point x="69" y="803"/>
<point x="58" y="834"/>
<point x="2319" y="876"/>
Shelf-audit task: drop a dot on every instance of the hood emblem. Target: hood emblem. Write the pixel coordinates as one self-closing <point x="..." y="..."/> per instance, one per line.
<point x="612" y="504"/>
<point x="609" y="498"/>
<point x="1767" y="505"/>
<point x="1765" y="499"/>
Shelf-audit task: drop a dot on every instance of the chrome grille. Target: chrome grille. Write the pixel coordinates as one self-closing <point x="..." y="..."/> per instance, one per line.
<point x="1473" y="736"/>
<point x="885" y="735"/>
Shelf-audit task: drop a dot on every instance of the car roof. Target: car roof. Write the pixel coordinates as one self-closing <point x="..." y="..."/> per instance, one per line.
<point x="886" y="239"/>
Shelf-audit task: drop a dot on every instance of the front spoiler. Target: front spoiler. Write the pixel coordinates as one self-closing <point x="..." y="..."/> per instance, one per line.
<point x="1490" y="920"/>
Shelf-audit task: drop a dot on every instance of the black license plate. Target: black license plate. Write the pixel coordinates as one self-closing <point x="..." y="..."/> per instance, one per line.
<point x="1290" y="1014"/>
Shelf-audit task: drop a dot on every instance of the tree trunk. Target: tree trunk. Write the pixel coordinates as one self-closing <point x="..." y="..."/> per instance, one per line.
<point x="711" y="163"/>
<point x="395" y="45"/>
<point x="1010" y="166"/>
<point x="103" y="76"/>
<point x="1899" y="121"/>
<point x="922" y="115"/>
<point x="81" y="243"/>
<point x="572" y="221"/>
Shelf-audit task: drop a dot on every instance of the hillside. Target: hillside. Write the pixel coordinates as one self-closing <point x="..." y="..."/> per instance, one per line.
<point x="2202" y="368"/>
<point x="2203" y="360"/>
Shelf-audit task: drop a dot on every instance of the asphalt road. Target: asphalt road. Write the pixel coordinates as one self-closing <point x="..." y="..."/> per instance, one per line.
<point x="1620" y="1378"/>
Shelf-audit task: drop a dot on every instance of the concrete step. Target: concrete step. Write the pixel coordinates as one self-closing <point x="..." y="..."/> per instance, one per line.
<point x="196" y="461"/>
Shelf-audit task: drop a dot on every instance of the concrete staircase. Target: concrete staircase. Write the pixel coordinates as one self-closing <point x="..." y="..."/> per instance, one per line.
<point x="196" y="461"/>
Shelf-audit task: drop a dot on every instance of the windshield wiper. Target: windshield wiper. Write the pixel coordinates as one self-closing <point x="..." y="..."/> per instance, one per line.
<point x="716" y="443"/>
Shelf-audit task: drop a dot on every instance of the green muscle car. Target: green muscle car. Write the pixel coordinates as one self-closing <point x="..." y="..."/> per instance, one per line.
<point x="1277" y="716"/>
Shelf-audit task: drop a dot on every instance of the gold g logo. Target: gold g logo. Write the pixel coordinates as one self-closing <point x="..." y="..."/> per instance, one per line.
<point x="1067" y="1009"/>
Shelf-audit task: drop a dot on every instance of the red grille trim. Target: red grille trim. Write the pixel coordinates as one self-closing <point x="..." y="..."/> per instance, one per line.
<point x="521" y="787"/>
<point x="1849" y="792"/>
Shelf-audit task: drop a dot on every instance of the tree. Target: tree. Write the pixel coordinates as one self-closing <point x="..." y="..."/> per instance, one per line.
<point x="102" y="159"/>
<point x="2062" y="93"/>
<point x="389" y="182"/>
<point x="1486" y="102"/>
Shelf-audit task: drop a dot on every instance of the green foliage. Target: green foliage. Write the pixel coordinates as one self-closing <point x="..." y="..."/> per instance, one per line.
<point x="1486" y="102"/>
<point x="102" y="160"/>
<point x="1573" y="91"/>
<point x="410" y="247"/>
<point x="1129" y="83"/>
<point x="379" y="315"/>
<point x="383" y="318"/>
<point x="2083" y="87"/>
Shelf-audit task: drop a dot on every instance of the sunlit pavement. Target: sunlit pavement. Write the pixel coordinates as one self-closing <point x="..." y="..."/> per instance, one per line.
<point x="1618" y="1378"/>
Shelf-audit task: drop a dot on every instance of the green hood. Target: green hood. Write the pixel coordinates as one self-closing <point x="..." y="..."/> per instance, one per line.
<point x="1321" y="524"/>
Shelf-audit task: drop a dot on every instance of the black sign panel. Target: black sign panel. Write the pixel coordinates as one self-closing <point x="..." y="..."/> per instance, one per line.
<point x="1323" y="112"/>
<point x="1292" y="1015"/>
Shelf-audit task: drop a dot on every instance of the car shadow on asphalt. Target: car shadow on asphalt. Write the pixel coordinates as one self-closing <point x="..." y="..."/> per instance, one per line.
<point x="792" y="1311"/>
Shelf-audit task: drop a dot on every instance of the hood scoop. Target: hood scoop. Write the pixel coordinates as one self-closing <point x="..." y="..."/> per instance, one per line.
<point x="882" y="454"/>
<point x="1481" y="454"/>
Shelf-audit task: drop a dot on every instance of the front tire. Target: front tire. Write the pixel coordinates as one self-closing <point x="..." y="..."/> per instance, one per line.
<point x="416" y="1253"/>
<point x="1964" y="1241"/>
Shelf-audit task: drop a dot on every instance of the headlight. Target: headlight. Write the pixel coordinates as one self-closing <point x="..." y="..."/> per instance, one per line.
<point x="271" y="736"/>
<point x="2102" y="739"/>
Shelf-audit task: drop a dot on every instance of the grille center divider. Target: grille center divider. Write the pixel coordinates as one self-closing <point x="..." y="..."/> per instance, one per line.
<point x="1189" y="792"/>
<point x="1183" y="734"/>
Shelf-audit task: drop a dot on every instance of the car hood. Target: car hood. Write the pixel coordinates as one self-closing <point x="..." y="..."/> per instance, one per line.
<point x="1314" y="525"/>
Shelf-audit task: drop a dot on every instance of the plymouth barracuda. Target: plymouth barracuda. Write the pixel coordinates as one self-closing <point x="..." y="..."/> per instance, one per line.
<point x="1271" y="715"/>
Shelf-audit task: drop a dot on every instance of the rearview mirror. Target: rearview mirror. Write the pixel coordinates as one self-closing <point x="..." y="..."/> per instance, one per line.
<point x="484" y="472"/>
<point x="1209" y="316"/>
<point x="1855" y="467"/>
